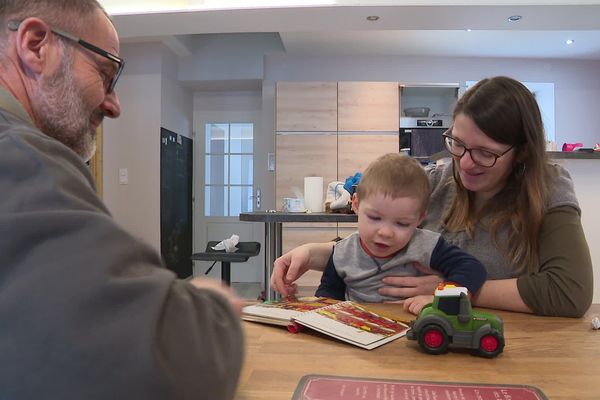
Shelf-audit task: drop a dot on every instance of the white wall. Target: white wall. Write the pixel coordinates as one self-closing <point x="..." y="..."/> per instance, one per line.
<point x="177" y="102"/>
<point x="132" y="142"/>
<point x="151" y="98"/>
<point x="231" y="56"/>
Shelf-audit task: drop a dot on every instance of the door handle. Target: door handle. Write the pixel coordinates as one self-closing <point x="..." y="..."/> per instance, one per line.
<point x="257" y="197"/>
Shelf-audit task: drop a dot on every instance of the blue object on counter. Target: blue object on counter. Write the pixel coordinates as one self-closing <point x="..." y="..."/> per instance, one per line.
<point x="352" y="182"/>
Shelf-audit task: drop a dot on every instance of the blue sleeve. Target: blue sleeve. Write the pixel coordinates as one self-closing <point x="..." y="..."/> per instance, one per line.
<point x="458" y="266"/>
<point x="331" y="285"/>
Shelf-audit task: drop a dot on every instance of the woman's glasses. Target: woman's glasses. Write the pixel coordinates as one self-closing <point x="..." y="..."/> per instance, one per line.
<point x="481" y="157"/>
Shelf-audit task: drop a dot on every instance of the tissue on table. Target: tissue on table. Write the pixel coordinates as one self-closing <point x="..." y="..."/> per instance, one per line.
<point x="229" y="245"/>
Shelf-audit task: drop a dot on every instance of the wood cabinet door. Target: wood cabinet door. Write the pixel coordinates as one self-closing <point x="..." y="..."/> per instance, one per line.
<point x="368" y="106"/>
<point x="306" y="107"/>
<point x="300" y="155"/>
<point x="356" y="152"/>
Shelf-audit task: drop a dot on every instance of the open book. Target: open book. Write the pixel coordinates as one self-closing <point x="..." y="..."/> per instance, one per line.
<point x="346" y="320"/>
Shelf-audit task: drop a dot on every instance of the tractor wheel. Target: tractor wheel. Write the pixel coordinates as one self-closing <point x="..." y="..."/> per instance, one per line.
<point x="491" y="344"/>
<point x="433" y="339"/>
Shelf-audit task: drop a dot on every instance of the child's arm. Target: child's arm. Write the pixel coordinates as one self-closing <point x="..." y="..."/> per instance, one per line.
<point x="332" y="285"/>
<point x="415" y="304"/>
<point x="458" y="266"/>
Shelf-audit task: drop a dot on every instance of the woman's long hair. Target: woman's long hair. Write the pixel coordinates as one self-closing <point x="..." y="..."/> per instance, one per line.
<point x="507" y="112"/>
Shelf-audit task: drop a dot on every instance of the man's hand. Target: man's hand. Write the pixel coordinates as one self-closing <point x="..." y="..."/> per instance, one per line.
<point x="222" y="289"/>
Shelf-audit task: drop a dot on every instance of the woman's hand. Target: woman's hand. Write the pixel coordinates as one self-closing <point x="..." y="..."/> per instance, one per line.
<point x="404" y="287"/>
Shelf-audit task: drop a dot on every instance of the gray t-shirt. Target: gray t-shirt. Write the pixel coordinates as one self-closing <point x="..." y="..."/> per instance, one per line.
<point x="363" y="273"/>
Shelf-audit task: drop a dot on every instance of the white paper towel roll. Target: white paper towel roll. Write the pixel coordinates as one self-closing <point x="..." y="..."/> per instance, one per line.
<point x="313" y="193"/>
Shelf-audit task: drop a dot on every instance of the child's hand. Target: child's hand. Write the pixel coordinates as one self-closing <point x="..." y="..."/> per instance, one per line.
<point x="415" y="304"/>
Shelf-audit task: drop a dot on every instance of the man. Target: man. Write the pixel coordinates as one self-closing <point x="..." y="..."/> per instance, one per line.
<point x="86" y="310"/>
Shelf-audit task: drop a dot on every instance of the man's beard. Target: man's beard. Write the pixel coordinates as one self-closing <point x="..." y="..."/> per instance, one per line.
<point x="61" y="113"/>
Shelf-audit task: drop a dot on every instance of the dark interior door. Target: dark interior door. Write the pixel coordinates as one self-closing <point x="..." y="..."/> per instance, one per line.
<point x="176" y="166"/>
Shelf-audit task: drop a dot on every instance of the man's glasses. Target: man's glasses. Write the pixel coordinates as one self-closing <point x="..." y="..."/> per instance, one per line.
<point x="110" y="84"/>
<point x="483" y="158"/>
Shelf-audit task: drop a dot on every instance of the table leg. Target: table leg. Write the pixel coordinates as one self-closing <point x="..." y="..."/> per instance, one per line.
<point x="273" y="249"/>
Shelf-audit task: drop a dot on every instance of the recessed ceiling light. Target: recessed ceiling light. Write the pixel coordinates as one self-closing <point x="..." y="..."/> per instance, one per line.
<point x="372" y="18"/>
<point x="468" y="29"/>
<point x="569" y="41"/>
<point x="514" y="18"/>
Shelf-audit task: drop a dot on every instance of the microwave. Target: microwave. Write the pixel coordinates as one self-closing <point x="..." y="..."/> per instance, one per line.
<point x="422" y="138"/>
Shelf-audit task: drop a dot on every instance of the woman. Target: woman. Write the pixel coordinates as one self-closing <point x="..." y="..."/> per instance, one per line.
<point x="502" y="201"/>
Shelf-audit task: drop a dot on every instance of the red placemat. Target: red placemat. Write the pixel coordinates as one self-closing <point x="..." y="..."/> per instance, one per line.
<point x="329" y="387"/>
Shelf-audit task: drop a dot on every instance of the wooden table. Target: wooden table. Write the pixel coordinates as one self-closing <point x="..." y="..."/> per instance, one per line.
<point x="273" y="221"/>
<point x="560" y="356"/>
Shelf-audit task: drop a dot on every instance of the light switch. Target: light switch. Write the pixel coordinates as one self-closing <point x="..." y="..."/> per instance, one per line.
<point x="123" y="176"/>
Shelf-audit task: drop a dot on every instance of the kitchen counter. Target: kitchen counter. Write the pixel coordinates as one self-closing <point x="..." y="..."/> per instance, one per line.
<point x="574" y="155"/>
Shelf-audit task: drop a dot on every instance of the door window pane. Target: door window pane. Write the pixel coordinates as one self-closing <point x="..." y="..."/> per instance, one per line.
<point x="215" y="200"/>
<point x="242" y="138"/>
<point x="217" y="169"/>
<point x="241" y="170"/>
<point x="241" y="199"/>
<point x="217" y="138"/>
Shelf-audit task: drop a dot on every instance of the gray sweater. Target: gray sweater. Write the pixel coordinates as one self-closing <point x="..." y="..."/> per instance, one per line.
<point x="87" y="311"/>
<point x="562" y="283"/>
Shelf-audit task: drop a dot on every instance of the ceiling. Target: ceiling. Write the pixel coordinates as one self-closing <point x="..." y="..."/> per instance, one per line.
<point x="426" y="28"/>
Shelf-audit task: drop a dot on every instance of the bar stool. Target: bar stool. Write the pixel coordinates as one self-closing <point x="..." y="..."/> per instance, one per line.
<point x="244" y="252"/>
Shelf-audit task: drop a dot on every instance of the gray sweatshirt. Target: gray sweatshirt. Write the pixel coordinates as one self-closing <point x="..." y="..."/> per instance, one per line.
<point x="87" y="311"/>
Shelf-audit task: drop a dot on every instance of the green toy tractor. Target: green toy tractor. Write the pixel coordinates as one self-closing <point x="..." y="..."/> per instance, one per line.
<point x="450" y="321"/>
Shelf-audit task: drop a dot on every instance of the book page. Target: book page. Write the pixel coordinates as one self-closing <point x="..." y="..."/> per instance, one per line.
<point x="281" y="312"/>
<point x="354" y="324"/>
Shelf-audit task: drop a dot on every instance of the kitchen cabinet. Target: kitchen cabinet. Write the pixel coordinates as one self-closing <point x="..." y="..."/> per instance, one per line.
<point x="306" y="107"/>
<point x="356" y="152"/>
<point x="300" y="155"/>
<point x="337" y="106"/>
<point x="439" y="98"/>
<point x="368" y="106"/>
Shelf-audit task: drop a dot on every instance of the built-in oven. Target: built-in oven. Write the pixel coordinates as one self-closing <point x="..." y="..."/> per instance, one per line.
<point x="422" y="137"/>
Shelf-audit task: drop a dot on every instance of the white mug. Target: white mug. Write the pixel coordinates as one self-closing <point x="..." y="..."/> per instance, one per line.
<point x="292" y="204"/>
